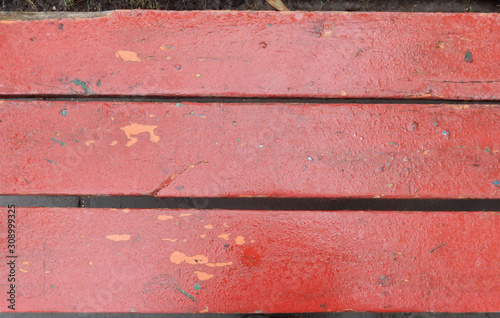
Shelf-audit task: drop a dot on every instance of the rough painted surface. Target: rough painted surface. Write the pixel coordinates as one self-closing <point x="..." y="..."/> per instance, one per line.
<point x="70" y="260"/>
<point x="299" y="54"/>
<point x="396" y="151"/>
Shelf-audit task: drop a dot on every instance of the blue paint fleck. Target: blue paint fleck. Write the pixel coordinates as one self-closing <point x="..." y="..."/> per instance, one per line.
<point x="496" y="182"/>
<point x="180" y="187"/>
<point x="309" y="158"/>
<point x="446" y="133"/>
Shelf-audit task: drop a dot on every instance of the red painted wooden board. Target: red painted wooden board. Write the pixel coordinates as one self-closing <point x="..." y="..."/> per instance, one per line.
<point x="267" y="54"/>
<point x="188" y="149"/>
<point x="96" y="260"/>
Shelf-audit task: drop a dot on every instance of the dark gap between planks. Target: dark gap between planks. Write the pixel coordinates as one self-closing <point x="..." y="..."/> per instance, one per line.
<point x="251" y="204"/>
<point x="242" y="100"/>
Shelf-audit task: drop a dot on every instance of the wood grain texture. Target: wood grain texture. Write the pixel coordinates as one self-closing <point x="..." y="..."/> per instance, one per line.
<point x="295" y="150"/>
<point x="96" y="260"/>
<point x="253" y="54"/>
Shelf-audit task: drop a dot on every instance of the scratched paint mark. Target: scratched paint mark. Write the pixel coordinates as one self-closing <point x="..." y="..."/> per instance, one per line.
<point x="186" y="294"/>
<point x="135" y="129"/>
<point x="169" y="239"/>
<point x="89" y="142"/>
<point x="219" y="264"/>
<point x="203" y="275"/>
<point x="47" y="272"/>
<point x="118" y="237"/>
<point x="468" y="57"/>
<point x="9" y="21"/>
<point x="178" y="258"/>
<point x="82" y="84"/>
<point x="113" y="143"/>
<point x="164" y="217"/>
<point x="435" y="248"/>
<point x="171" y="178"/>
<point x="224" y="236"/>
<point x="166" y="47"/>
<point x="185" y="214"/>
<point x="204" y="310"/>
<point x="240" y="240"/>
<point x="128" y="56"/>
<point x="22" y="270"/>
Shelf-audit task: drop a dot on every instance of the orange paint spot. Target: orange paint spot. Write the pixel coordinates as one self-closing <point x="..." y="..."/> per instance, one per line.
<point x="89" y="142"/>
<point x="343" y="93"/>
<point x="126" y="210"/>
<point x="128" y="56"/>
<point x="203" y="275"/>
<point x="117" y="237"/>
<point x="185" y="214"/>
<point x="9" y="22"/>
<point x="26" y="263"/>
<point x="224" y="236"/>
<point x="203" y="235"/>
<point x="179" y="258"/>
<point x="209" y="226"/>
<point x="169" y="239"/>
<point x="47" y="272"/>
<point x="426" y="152"/>
<point x="240" y="240"/>
<point x="113" y="143"/>
<point x="252" y="241"/>
<point x="22" y="270"/>
<point x="135" y="129"/>
<point x="164" y="217"/>
<point x="91" y="263"/>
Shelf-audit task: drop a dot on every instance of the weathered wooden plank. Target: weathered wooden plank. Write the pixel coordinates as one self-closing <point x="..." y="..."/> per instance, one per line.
<point x="96" y="260"/>
<point x="267" y="54"/>
<point x="189" y="149"/>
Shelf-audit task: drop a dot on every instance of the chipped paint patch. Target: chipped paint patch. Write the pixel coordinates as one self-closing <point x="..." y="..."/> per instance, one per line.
<point x="90" y="263"/>
<point x="25" y="263"/>
<point x="225" y="225"/>
<point x="89" y="142"/>
<point x="203" y="235"/>
<point x="209" y="226"/>
<point x="240" y="240"/>
<point x="164" y="217"/>
<point x="185" y="214"/>
<point x="128" y="56"/>
<point x="126" y="210"/>
<point x="169" y="239"/>
<point x="178" y="258"/>
<point x="224" y="236"/>
<point x="113" y="143"/>
<point x="22" y="270"/>
<point x="204" y="310"/>
<point x="219" y="264"/>
<point x="135" y="129"/>
<point x="203" y="275"/>
<point x="118" y="237"/>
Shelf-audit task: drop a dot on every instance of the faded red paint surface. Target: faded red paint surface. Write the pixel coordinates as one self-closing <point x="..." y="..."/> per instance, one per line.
<point x="300" y="54"/>
<point x="96" y="260"/>
<point x="397" y="151"/>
